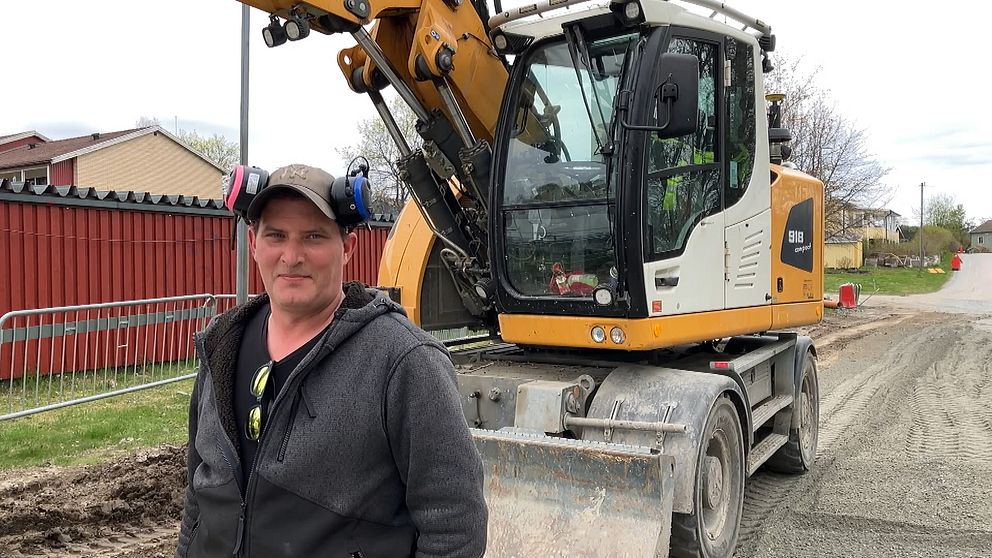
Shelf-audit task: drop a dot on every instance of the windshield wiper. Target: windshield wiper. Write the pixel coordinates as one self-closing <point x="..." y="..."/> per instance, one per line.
<point x="579" y="52"/>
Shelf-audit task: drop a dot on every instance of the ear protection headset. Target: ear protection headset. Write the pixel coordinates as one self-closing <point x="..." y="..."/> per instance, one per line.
<point x="241" y="186"/>
<point x="349" y="196"/>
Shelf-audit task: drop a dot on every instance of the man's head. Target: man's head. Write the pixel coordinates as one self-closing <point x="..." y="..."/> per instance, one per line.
<point x="300" y="249"/>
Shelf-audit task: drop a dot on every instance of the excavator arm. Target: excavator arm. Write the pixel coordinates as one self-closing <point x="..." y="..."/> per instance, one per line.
<point x="437" y="56"/>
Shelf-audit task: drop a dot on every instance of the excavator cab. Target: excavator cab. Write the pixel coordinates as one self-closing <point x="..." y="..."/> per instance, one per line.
<point x="629" y="208"/>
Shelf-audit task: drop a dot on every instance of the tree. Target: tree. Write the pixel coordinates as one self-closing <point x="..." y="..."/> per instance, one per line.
<point x="145" y="121"/>
<point x="828" y="146"/>
<point x="389" y="192"/>
<point x="217" y="148"/>
<point x="942" y="210"/>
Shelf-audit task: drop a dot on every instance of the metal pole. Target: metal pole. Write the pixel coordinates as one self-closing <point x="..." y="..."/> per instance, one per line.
<point x="457" y="118"/>
<point x="921" y="226"/>
<point x="390" y="123"/>
<point x="375" y="53"/>
<point x="241" y="284"/>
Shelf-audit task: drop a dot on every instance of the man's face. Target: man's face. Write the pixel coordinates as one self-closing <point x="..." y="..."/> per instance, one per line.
<point x="300" y="255"/>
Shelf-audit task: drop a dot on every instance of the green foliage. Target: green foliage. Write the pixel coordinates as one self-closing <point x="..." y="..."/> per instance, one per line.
<point x="943" y="211"/>
<point x="217" y="148"/>
<point x="936" y="240"/>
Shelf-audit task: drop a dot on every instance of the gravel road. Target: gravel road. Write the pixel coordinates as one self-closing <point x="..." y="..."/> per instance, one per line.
<point x="904" y="466"/>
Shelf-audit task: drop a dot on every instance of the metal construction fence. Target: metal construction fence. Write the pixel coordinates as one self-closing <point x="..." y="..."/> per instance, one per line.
<point x="56" y="357"/>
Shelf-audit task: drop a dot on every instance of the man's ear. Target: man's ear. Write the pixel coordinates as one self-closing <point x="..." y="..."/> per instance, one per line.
<point x="251" y="240"/>
<point x="350" y="243"/>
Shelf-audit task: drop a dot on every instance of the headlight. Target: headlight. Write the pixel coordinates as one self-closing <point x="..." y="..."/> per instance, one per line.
<point x="598" y="334"/>
<point x="617" y="336"/>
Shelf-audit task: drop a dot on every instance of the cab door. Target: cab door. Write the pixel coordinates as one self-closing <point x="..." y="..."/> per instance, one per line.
<point x="684" y="225"/>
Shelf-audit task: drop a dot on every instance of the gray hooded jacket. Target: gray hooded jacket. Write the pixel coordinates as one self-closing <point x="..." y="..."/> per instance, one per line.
<point x="365" y="452"/>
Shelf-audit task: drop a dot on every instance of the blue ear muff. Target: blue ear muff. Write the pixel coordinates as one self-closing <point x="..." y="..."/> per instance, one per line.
<point x="350" y="198"/>
<point x="362" y="193"/>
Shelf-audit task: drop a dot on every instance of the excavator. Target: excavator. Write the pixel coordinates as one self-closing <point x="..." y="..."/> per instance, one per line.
<point x="603" y="186"/>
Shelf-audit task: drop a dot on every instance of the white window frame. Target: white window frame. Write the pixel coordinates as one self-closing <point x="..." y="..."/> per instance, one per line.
<point x="24" y="172"/>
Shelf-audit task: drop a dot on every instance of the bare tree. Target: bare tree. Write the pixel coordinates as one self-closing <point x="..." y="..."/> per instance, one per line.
<point x="827" y="145"/>
<point x="146" y="121"/>
<point x="389" y="193"/>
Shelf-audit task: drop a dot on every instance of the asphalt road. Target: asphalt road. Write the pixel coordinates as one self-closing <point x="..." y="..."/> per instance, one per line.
<point x="904" y="466"/>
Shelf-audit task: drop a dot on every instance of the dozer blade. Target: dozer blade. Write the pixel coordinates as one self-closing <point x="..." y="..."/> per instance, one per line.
<point x="553" y="497"/>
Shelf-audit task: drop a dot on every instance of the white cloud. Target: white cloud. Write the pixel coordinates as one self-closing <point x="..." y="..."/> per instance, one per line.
<point x="914" y="77"/>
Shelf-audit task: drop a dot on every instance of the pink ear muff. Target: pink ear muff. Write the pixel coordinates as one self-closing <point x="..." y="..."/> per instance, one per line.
<point x="237" y="181"/>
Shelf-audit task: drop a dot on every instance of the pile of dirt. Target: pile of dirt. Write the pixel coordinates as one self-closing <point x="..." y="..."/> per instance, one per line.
<point x="58" y="508"/>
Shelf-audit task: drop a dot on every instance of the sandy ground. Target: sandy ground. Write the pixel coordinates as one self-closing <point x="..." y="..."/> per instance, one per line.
<point x="904" y="466"/>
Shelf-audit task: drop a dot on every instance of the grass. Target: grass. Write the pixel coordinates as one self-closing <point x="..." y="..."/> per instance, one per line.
<point x="34" y="390"/>
<point x="94" y="431"/>
<point x="889" y="281"/>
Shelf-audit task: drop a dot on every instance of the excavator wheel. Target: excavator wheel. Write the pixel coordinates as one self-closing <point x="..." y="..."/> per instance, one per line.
<point x="797" y="455"/>
<point x="718" y="500"/>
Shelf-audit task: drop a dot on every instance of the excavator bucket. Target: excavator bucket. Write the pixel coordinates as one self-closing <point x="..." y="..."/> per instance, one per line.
<point x="556" y="497"/>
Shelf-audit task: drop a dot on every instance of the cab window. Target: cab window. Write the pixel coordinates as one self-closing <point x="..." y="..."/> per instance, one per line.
<point x="740" y="120"/>
<point x="683" y="178"/>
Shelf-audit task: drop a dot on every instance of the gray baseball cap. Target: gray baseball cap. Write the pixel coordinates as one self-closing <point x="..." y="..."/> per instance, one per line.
<point x="313" y="183"/>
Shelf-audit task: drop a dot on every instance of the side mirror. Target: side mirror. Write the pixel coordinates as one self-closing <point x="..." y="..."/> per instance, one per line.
<point x="678" y="95"/>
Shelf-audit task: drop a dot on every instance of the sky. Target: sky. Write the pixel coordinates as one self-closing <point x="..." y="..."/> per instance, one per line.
<point x="917" y="80"/>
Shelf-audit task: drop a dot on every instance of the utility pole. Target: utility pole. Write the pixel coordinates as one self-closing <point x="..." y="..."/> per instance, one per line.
<point x="241" y="278"/>
<point x="921" y="226"/>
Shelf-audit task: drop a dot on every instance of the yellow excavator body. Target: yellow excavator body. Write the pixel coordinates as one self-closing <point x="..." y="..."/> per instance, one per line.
<point x="615" y="208"/>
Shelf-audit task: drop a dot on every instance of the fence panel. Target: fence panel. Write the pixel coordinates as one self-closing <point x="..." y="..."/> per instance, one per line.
<point x="56" y="357"/>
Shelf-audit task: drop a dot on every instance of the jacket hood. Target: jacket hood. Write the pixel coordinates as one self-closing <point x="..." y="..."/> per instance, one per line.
<point x="361" y="305"/>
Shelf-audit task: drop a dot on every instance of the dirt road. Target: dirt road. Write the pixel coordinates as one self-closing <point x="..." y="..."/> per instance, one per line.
<point x="904" y="466"/>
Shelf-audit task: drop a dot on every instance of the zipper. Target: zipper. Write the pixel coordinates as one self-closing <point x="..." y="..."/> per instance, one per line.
<point x="241" y="531"/>
<point x="295" y="377"/>
<point x="293" y="409"/>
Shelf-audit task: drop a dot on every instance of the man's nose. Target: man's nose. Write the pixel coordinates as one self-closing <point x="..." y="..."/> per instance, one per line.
<point x="292" y="253"/>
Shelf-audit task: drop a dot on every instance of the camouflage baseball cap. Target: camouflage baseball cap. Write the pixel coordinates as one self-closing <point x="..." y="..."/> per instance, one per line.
<point x="313" y="183"/>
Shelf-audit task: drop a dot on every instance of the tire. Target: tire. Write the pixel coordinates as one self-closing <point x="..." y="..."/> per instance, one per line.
<point x="711" y="530"/>
<point x="797" y="455"/>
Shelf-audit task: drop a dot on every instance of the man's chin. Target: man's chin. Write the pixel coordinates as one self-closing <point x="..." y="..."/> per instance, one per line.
<point x="296" y="302"/>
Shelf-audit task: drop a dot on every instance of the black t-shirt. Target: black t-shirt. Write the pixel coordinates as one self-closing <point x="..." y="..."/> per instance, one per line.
<point x="254" y="353"/>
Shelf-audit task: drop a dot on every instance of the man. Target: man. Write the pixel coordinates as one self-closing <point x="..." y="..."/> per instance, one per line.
<point x="323" y="423"/>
